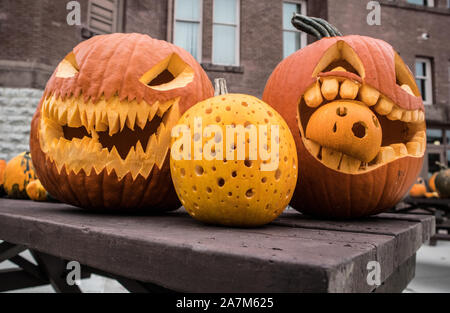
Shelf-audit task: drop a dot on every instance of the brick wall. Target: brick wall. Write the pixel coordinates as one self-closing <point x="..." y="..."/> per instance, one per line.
<point x="17" y="106"/>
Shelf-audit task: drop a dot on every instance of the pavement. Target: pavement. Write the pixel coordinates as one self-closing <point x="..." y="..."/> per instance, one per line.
<point x="432" y="274"/>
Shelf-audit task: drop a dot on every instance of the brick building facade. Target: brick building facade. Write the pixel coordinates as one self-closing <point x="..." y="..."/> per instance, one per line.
<point x="35" y="36"/>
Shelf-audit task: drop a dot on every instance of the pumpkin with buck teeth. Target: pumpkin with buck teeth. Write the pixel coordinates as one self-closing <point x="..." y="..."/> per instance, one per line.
<point x="357" y="118"/>
<point x="101" y="134"/>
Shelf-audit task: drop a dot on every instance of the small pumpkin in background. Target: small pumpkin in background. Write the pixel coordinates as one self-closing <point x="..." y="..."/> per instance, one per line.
<point x="19" y="172"/>
<point x="37" y="192"/>
<point x="228" y="185"/>
<point x="442" y="181"/>
<point x="2" y="176"/>
<point x="418" y="190"/>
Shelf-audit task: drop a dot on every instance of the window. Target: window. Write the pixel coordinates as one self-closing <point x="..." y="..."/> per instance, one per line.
<point x="188" y="26"/>
<point x="428" y="3"/>
<point x="293" y="39"/>
<point x="435" y="136"/>
<point x="226" y="32"/>
<point x="105" y="16"/>
<point x="424" y="79"/>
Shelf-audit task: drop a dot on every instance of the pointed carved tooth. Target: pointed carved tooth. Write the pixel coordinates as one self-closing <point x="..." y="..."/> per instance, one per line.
<point x="139" y="149"/>
<point x="421" y="141"/>
<point x="421" y="116"/>
<point x="331" y="158"/>
<point x="163" y="107"/>
<point x="384" y="106"/>
<point x="330" y="88"/>
<point x="123" y="114"/>
<point x="113" y="122"/>
<point x="406" y="117"/>
<point x="102" y="157"/>
<point x="90" y="116"/>
<point x="349" y="89"/>
<point x="151" y="145"/>
<point x="73" y="117"/>
<point x="114" y="161"/>
<point x="313" y="96"/>
<point x="131" y="119"/>
<point x="153" y="110"/>
<point x="399" y="149"/>
<point x="313" y="147"/>
<point x="386" y="154"/>
<point x="407" y="89"/>
<point x="369" y="95"/>
<point x="414" y="148"/>
<point x="349" y="164"/>
<point x="395" y="115"/>
<point x="62" y="116"/>
<point x="142" y="115"/>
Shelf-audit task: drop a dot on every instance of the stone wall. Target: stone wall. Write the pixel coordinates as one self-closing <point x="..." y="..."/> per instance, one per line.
<point x="17" y="106"/>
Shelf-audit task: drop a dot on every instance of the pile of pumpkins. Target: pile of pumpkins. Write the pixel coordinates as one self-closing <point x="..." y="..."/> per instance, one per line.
<point x="438" y="185"/>
<point x="19" y="181"/>
<point x="101" y="137"/>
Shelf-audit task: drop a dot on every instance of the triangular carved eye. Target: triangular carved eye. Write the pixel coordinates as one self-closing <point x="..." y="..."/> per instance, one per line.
<point x="68" y="67"/>
<point x="404" y="77"/>
<point x="340" y="55"/>
<point x="169" y="74"/>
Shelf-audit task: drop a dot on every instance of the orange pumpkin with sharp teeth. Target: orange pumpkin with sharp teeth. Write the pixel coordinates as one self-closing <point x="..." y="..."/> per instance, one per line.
<point x="357" y="118"/>
<point x="101" y="133"/>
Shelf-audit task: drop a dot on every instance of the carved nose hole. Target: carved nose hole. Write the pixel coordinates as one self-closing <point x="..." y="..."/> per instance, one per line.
<point x="335" y="128"/>
<point x="341" y="111"/>
<point x="359" y="130"/>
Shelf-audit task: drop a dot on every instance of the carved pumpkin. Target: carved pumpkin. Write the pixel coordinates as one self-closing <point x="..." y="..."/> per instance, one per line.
<point x="339" y="95"/>
<point x="418" y="190"/>
<point x="2" y="176"/>
<point x="101" y="134"/>
<point x="236" y="190"/>
<point x="443" y="182"/>
<point x="19" y="172"/>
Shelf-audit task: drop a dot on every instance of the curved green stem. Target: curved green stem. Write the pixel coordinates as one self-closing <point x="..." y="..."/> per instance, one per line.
<point x="314" y="26"/>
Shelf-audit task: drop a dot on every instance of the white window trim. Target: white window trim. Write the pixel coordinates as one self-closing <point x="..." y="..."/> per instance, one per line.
<point x="117" y="22"/>
<point x="238" y="35"/>
<point x="304" y="11"/>
<point x="200" y="29"/>
<point x="430" y="3"/>
<point x="428" y="80"/>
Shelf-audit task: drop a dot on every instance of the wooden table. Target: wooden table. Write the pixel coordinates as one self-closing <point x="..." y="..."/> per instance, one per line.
<point x="175" y="252"/>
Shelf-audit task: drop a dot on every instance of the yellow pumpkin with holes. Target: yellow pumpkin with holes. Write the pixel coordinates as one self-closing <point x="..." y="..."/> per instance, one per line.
<point x="233" y="161"/>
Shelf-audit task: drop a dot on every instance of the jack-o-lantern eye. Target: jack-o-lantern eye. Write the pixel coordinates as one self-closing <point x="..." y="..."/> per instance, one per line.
<point x="404" y="77"/>
<point x="68" y="67"/>
<point x="171" y="73"/>
<point x="340" y="55"/>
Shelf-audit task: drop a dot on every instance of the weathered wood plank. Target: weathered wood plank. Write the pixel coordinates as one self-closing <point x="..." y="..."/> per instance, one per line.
<point x="178" y="253"/>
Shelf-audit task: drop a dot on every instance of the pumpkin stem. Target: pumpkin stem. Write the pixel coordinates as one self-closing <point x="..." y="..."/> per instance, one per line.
<point x="220" y="87"/>
<point x="315" y="26"/>
<point x="442" y="166"/>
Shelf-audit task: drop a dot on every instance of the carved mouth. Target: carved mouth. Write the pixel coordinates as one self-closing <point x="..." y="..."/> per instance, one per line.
<point x="403" y="131"/>
<point x="127" y="137"/>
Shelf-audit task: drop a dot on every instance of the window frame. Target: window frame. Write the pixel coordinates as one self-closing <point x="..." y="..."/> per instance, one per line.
<point x="116" y="23"/>
<point x="237" y="38"/>
<point x="428" y="78"/>
<point x="429" y="3"/>
<point x="199" y="57"/>
<point x="304" y="11"/>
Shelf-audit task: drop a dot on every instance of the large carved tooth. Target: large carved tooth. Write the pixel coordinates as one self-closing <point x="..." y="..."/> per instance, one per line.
<point x="73" y="117"/>
<point x="139" y="149"/>
<point x="407" y="89"/>
<point x="407" y="116"/>
<point x="349" y="164"/>
<point x="386" y="154"/>
<point x="395" y="115"/>
<point x="399" y="149"/>
<point x="313" y="96"/>
<point x="420" y="140"/>
<point x="369" y="95"/>
<point x="414" y="148"/>
<point x="331" y="158"/>
<point x="421" y="134"/>
<point x="62" y="116"/>
<point x="90" y="115"/>
<point x="330" y="88"/>
<point x="123" y="114"/>
<point x="384" y="106"/>
<point x="153" y="110"/>
<point x="113" y="122"/>
<point x="414" y="116"/>
<point x="142" y="114"/>
<point x="421" y="116"/>
<point x="131" y="119"/>
<point x="163" y="107"/>
<point x="313" y="147"/>
<point x="349" y="89"/>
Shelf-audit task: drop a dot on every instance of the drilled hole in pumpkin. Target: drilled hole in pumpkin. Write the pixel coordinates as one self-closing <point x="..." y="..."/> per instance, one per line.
<point x="208" y="190"/>
<point x="359" y="130"/>
<point x="183" y="172"/>
<point x="335" y="128"/>
<point x="250" y="193"/>
<point x="221" y="182"/>
<point x="199" y="170"/>
<point x="342" y="111"/>
<point x="234" y="174"/>
<point x="278" y="174"/>
<point x="248" y="163"/>
<point x="264" y="180"/>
